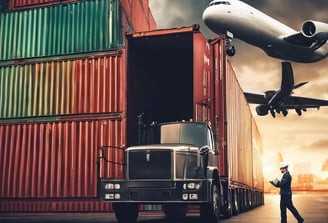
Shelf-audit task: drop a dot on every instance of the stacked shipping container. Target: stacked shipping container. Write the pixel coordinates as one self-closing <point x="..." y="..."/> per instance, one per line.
<point x="62" y="81"/>
<point x="62" y="100"/>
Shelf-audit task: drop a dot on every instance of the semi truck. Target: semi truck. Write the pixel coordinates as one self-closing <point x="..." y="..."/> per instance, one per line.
<point x="212" y="161"/>
<point x="178" y="170"/>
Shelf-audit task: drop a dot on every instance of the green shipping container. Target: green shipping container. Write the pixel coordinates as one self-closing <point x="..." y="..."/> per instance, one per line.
<point x="79" y="86"/>
<point x="80" y="27"/>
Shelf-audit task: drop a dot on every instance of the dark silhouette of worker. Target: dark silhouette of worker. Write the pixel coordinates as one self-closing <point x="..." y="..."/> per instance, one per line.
<point x="286" y="194"/>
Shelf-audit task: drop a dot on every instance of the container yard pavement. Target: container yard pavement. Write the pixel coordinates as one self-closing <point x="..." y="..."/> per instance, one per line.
<point x="312" y="206"/>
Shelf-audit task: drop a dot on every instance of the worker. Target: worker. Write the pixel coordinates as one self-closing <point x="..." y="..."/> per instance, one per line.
<point x="286" y="194"/>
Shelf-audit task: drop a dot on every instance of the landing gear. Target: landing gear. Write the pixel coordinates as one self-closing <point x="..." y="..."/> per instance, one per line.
<point x="230" y="49"/>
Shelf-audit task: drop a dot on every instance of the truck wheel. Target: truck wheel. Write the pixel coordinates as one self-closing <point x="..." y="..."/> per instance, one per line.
<point x="210" y="212"/>
<point x="174" y="211"/>
<point x="235" y="205"/>
<point x="126" y="213"/>
<point x="227" y="208"/>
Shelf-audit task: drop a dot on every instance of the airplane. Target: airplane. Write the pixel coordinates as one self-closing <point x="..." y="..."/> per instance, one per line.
<point x="238" y="19"/>
<point x="277" y="101"/>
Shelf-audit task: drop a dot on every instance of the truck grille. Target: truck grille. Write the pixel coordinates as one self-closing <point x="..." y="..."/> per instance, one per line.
<point x="150" y="164"/>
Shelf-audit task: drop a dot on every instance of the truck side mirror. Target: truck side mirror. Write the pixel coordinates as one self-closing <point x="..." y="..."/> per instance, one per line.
<point x="204" y="153"/>
<point x="204" y="149"/>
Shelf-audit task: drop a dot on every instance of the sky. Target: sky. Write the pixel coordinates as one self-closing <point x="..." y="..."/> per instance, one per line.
<point x="295" y="139"/>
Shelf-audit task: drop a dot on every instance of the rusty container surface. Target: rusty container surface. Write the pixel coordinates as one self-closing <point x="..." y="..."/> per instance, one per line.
<point x="84" y="26"/>
<point x="138" y="15"/>
<point x="86" y="85"/>
<point x="56" y="160"/>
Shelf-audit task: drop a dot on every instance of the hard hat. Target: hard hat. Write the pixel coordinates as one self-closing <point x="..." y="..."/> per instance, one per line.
<point x="283" y="165"/>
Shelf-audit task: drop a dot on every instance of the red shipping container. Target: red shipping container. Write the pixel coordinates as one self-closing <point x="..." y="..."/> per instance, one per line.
<point x="49" y="159"/>
<point x="138" y="15"/>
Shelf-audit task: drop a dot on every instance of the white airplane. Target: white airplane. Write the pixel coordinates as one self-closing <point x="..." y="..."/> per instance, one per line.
<point x="274" y="38"/>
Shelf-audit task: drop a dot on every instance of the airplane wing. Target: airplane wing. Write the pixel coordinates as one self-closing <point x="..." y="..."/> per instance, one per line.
<point x="293" y="102"/>
<point x="255" y="98"/>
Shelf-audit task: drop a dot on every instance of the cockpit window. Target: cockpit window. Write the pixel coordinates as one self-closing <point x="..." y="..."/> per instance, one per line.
<point x="220" y="3"/>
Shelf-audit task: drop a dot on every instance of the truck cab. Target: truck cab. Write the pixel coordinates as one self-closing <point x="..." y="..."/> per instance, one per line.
<point x="176" y="168"/>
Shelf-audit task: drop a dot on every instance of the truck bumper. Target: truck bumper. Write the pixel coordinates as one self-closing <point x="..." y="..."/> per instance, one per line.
<point x="121" y="191"/>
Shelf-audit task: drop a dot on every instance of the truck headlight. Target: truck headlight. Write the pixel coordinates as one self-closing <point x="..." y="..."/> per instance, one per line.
<point x="109" y="196"/>
<point x="117" y="196"/>
<point x="111" y="186"/>
<point x="191" y="186"/>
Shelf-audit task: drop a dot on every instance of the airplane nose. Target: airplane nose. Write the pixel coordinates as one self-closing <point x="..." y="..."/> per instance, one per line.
<point x="208" y="17"/>
<point x="213" y="19"/>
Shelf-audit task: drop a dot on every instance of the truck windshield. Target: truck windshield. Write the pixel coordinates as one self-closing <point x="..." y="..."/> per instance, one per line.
<point x="186" y="133"/>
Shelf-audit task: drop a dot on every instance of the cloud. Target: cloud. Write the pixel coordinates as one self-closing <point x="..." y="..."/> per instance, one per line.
<point x="321" y="144"/>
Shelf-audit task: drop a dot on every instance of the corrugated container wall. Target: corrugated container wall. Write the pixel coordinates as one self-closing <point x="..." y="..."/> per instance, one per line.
<point x="137" y="12"/>
<point x="80" y="27"/>
<point x="239" y="137"/>
<point x="258" y="179"/>
<point x="57" y="159"/>
<point x="88" y="85"/>
<point x="239" y="141"/>
<point x="55" y="156"/>
<point x="51" y="166"/>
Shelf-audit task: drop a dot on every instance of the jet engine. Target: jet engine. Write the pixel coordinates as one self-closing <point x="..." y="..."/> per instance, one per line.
<point x="262" y="110"/>
<point x="315" y="29"/>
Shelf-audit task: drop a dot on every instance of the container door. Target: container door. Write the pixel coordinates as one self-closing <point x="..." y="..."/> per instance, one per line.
<point x="202" y="79"/>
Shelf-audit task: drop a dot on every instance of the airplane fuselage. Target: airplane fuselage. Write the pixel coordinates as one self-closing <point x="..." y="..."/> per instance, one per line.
<point x="256" y="28"/>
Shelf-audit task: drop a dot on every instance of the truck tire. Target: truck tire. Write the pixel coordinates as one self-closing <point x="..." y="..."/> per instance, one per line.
<point x="227" y="208"/>
<point x="175" y="211"/>
<point x="235" y="202"/>
<point x="210" y="212"/>
<point x="126" y="213"/>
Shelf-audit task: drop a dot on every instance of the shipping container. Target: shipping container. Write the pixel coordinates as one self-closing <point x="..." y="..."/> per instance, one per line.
<point x="179" y="75"/>
<point x="171" y="75"/>
<point x="137" y="13"/>
<point x="48" y="164"/>
<point x="81" y="27"/>
<point x="78" y="86"/>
